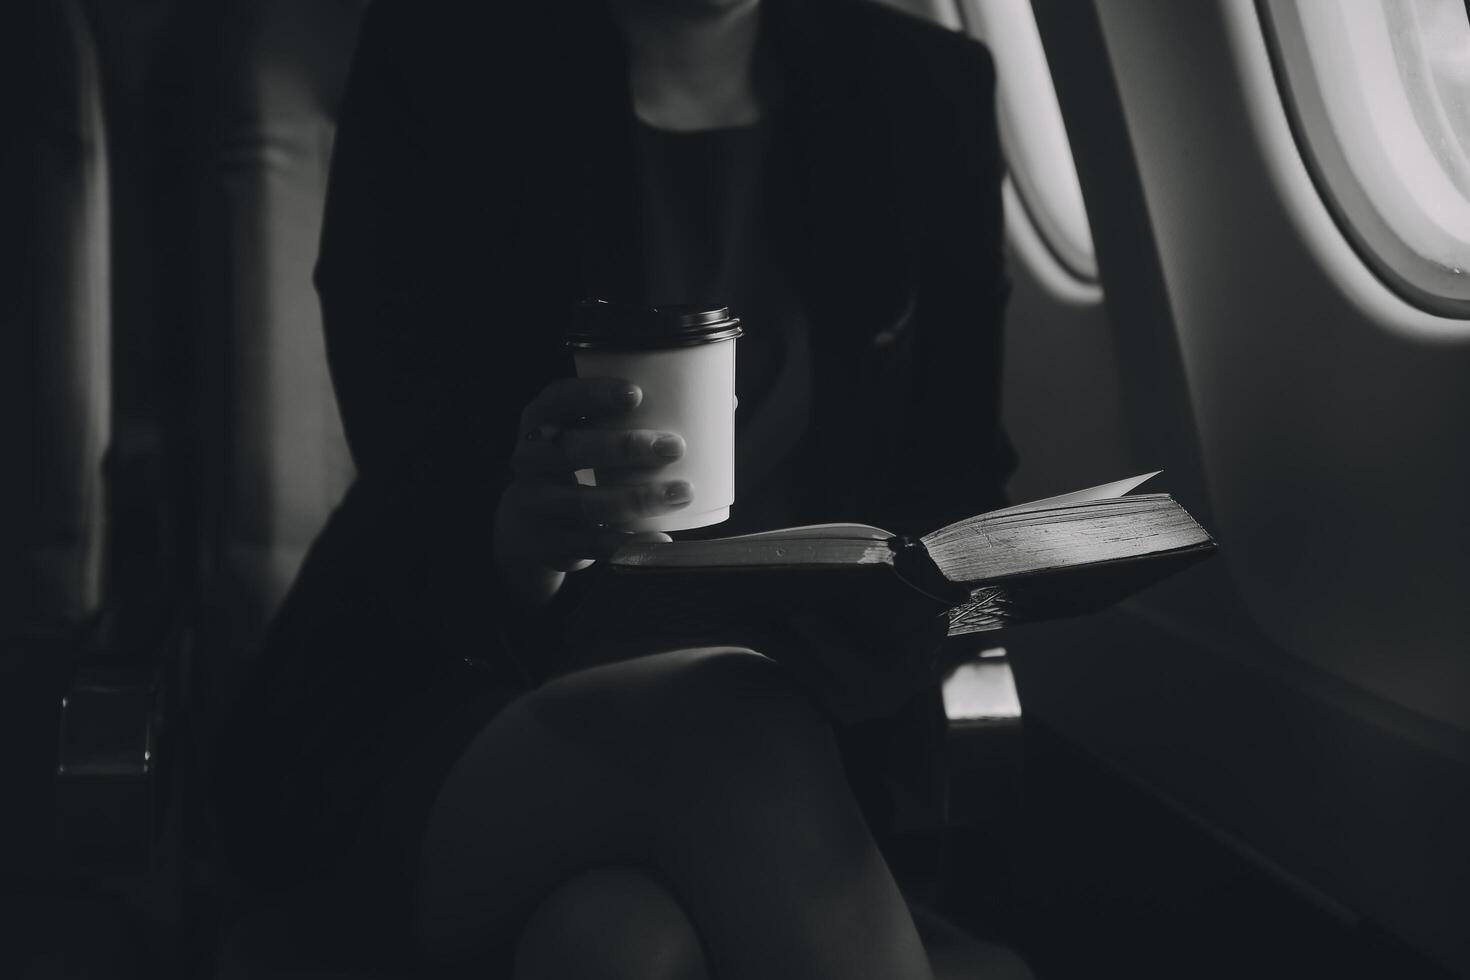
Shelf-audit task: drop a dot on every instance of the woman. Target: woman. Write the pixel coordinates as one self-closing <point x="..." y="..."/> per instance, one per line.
<point x="830" y="171"/>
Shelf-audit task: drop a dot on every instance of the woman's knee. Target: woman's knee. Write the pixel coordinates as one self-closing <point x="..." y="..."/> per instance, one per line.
<point x="608" y="924"/>
<point x="690" y="705"/>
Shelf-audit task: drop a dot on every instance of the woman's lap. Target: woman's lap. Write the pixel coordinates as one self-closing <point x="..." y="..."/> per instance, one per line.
<point x="708" y="767"/>
<point x="431" y="732"/>
<point x="435" y="727"/>
<point x="576" y="716"/>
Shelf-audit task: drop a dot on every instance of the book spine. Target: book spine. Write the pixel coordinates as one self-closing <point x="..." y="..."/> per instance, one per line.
<point x="914" y="566"/>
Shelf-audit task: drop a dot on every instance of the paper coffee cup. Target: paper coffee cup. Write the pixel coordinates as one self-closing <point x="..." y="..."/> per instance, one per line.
<point x="683" y="358"/>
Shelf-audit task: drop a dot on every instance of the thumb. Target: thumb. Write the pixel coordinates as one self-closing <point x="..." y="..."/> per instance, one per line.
<point x="646" y="537"/>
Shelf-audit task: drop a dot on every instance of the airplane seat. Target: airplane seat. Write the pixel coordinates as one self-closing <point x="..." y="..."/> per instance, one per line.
<point x="275" y="460"/>
<point x="54" y="388"/>
<point x="79" y="799"/>
<point x="54" y="379"/>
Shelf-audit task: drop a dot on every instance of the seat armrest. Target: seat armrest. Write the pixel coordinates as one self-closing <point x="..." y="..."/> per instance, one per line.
<point x="114" y="762"/>
<point x="983" y="743"/>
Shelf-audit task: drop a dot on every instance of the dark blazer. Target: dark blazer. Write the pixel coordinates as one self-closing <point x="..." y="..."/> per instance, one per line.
<point x="482" y="180"/>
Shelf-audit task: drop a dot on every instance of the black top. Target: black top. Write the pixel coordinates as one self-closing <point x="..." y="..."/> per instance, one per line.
<point x="484" y="178"/>
<point x="718" y="215"/>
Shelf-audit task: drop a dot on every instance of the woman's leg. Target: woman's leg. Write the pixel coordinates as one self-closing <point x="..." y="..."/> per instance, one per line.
<point x="957" y="955"/>
<point x="704" y="766"/>
<point x="610" y="923"/>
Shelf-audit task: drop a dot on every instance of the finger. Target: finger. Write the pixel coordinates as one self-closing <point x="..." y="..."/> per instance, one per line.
<point x="646" y="537"/>
<point x="621" y="448"/>
<point x="569" y="400"/>
<point x="539" y="456"/>
<point x="611" y="449"/>
<point x="613" y="505"/>
<point x="571" y="504"/>
<point x="566" y="562"/>
<point x="538" y="453"/>
<point x="570" y="549"/>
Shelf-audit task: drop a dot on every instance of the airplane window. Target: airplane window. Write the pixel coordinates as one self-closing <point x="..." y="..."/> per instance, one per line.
<point x="1032" y="132"/>
<point x="1379" y="91"/>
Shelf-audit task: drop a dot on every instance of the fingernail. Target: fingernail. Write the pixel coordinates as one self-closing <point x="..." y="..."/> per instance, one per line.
<point x="668" y="446"/>
<point x="678" y="492"/>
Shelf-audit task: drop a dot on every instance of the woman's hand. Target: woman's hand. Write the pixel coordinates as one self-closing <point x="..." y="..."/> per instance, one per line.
<point x="546" y="523"/>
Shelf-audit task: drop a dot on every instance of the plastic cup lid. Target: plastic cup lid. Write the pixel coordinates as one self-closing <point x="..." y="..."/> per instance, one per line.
<point x="598" y="324"/>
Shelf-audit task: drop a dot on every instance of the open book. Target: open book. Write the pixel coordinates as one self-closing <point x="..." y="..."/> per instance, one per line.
<point x="1056" y="557"/>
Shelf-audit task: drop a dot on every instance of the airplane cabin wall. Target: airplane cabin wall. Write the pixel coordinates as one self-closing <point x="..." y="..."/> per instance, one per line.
<point x="1063" y="399"/>
<point x="1305" y="696"/>
<point x="1330" y="417"/>
<point x="1305" y="693"/>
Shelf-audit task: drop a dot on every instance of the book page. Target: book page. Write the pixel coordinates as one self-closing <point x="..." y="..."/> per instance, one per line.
<point x="1067" y="536"/>
<point x="1105" y="491"/>
<point x="864" y="532"/>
